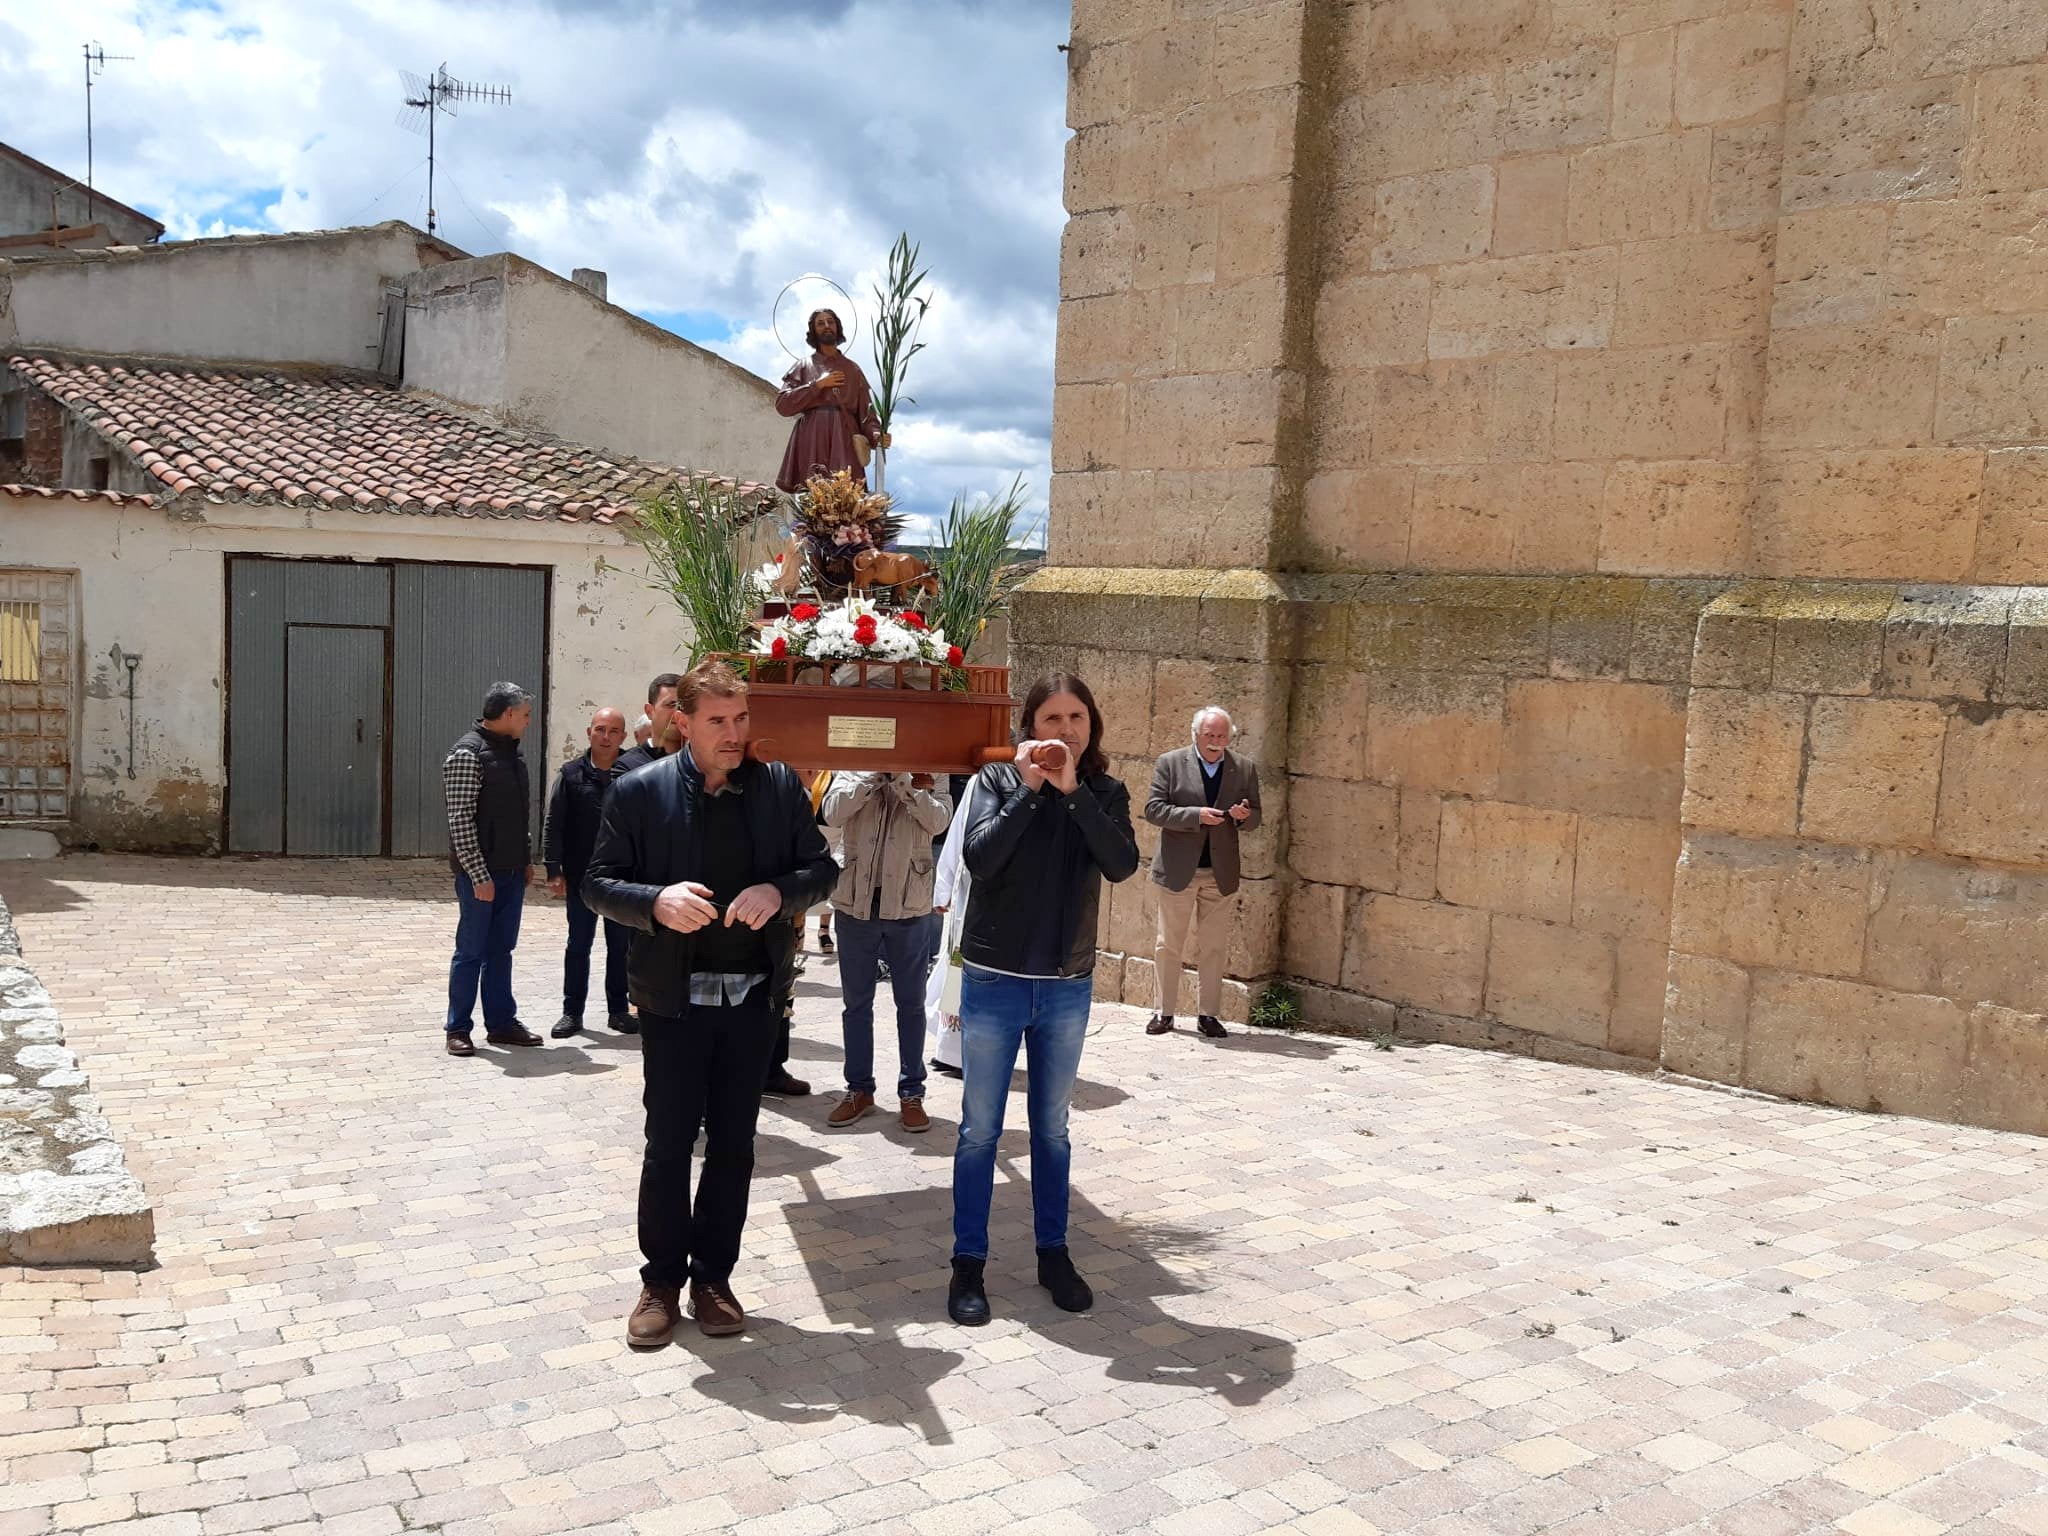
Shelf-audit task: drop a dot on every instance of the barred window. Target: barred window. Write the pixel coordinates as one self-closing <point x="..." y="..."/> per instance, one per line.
<point x="21" y="642"/>
<point x="38" y="693"/>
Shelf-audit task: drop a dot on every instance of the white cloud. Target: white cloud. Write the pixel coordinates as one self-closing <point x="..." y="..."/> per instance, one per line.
<point x="702" y="154"/>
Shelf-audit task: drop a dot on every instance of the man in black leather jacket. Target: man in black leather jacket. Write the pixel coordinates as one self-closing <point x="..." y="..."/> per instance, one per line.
<point x="1042" y="840"/>
<point x="708" y="857"/>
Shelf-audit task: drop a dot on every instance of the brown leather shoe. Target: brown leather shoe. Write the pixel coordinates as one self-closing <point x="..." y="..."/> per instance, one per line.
<point x="518" y="1034"/>
<point x="718" y="1314"/>
<point x="460" y="1045"/>
<point x="914" y="1117"/>
<point x="850" y="1108"/>
<point x="654" y="1317"/>
<point x="1159" y="1024"/>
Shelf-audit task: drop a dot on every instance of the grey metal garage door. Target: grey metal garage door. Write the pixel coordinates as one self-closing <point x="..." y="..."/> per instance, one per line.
<point x="334" y="740"/>
<point x="459" y="628"/>
<point x="347" y="683"/>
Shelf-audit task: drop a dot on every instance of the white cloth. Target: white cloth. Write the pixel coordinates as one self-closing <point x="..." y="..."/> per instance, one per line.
<point x="949" y="890"/>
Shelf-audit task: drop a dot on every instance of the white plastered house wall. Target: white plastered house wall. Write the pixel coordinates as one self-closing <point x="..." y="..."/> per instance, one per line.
<point x="151" y="581"/>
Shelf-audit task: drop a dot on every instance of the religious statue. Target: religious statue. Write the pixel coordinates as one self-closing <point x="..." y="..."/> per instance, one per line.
<point x="836" y="426"/>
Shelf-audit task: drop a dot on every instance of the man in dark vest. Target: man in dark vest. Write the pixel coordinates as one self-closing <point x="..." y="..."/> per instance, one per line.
<point x="567" y="837"/>
<point x="710" y="858"/>
<point x="490" y="845"/>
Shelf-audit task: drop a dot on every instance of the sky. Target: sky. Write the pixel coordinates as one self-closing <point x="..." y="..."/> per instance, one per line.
<point x="701" y="152"/>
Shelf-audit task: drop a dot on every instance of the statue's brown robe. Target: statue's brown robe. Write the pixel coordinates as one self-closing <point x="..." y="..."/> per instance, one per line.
<point x="821" y="442"/>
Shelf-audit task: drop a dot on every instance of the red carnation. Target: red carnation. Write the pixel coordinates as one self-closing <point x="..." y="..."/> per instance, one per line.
<point x="865" y="630"/>
<point x="955" y="656"/>
<point x="779" y="648"/>
<point x="778" y="558"/>
<point x="803" y="613"/>
<point x="913" y="618"/>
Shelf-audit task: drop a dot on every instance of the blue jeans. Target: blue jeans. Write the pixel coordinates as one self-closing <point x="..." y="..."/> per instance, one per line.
<point x="486" y="933"/>
<point x="906" y="943"/>
<point x="1050" y="1019"/>
<point x="576" y="958"/>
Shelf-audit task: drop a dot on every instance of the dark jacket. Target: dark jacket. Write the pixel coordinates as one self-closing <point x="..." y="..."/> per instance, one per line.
<point x="640" y="757"/>
<point x="1179" y="791"/>
<point x="574" y="806"/>
<point x="1013" y="877"/>
<point x="650" y="837"/>
<point x="503" y="829"/>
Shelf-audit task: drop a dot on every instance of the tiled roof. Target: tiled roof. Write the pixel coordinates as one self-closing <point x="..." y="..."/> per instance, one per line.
<point x="76" y="493"/>
<point x="325" y="437"/>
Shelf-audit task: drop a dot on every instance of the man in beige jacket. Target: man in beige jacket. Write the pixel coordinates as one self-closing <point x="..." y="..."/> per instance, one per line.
<point x="1203" y="797"/>
<point x="883" y="904"/>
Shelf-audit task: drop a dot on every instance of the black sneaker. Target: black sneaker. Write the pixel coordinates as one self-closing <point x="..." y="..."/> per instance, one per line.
<point x="623" y="1024"/>
<point x="1211" y="1026"/>
<point x="568" y="1024"/>
<point x="966" y="1301"/>
<point x="1056" y="1273"/>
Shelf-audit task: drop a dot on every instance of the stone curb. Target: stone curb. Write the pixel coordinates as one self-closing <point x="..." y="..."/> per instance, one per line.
<point x="66" y="1196"/>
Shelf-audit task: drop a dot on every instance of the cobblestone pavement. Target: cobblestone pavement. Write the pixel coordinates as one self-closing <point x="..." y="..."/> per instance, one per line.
<point x="1340" y="1289"/>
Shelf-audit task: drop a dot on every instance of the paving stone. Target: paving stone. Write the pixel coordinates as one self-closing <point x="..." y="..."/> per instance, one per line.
<point x="391" y="1286"/>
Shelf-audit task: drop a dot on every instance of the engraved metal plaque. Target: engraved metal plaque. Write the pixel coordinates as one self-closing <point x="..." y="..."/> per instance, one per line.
<point x="874" y="732"/>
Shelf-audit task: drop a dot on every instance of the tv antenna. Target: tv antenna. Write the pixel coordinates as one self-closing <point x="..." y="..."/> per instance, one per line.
<point x="96" y="59"/>
<point x="427" y="99"/>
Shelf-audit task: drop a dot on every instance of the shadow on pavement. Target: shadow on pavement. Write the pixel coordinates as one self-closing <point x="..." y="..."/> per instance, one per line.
<point x="891" y="1384"/>
<point x="810" y="1114"/>
<point x="34" y="885"/>
<point x="555" y="1059"/>
<point x="879" y="1288"/>
<point x="1265" y="1044"/>
<point x="420" y="880"/>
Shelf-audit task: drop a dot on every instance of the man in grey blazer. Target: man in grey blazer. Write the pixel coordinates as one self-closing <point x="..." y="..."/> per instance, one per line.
<point x="1204" y="796"/>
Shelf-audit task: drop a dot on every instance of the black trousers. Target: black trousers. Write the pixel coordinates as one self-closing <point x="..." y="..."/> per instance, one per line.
<point x="583" y="926"/>
<point x="785" y="1014"/>
<point x="703" y="1072"/>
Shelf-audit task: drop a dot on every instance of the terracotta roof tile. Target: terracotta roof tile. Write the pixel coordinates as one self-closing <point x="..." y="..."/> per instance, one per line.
<point x="312" y="437"/>
<point x="68" y="493"/>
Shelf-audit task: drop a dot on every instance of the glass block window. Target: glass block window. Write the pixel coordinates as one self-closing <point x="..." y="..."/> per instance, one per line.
<point x="38" y="685"/>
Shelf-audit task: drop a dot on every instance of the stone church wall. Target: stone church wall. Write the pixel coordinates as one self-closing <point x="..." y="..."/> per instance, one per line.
<point x="1599" y="449"/>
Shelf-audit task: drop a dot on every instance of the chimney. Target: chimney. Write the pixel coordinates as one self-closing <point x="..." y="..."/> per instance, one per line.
<point x="592" y="279"/>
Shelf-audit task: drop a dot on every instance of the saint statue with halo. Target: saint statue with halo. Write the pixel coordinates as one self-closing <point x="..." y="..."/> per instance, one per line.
<point x="836" y="426"/>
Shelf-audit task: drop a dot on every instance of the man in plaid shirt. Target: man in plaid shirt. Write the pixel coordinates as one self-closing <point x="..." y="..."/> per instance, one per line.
<point x="490" y="845"/>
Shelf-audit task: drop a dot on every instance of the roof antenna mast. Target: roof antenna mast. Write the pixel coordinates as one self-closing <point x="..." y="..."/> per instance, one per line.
<point x="426" y="99"/>
<point x="96" y="59"/>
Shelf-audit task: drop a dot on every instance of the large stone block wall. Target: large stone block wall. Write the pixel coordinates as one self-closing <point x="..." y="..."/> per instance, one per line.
<point x="1731" y="286"/>
<point x="1458" y="391"/>
<point x="1155" y="646"/>
<point x="1861" y="904"/>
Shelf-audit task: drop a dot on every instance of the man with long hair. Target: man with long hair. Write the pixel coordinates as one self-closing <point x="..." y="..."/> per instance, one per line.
<point x="708" y="857"/>
<point x="1047" y="829"/>
<point x="829" y="397"/>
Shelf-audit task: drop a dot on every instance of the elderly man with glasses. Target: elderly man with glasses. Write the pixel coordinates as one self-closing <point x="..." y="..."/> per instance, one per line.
<point x="1204" y="797"/>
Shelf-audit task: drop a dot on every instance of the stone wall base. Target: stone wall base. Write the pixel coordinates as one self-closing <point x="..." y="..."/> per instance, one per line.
<point x="1781" y="835"/>
<point x="66" y="1196"/>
